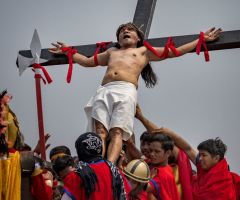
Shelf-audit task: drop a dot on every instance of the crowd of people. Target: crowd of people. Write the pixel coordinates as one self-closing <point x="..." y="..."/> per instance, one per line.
<point x="108" y="163"/>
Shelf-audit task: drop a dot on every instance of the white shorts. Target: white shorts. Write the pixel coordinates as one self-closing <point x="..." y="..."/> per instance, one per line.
<point x="114" y="105"/>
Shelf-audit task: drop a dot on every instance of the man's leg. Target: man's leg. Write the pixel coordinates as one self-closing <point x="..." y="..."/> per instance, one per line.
<point x="115" y="145"/>
<point x="102" y="132"/>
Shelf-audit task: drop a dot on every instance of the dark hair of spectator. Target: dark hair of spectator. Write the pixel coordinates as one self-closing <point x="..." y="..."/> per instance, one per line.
<point x="62" y="162"/>
<point x="60" y="149"/>
<point x="214" y="147"/>
<point x="145" y="137"/>
<point x="166" y="142"/>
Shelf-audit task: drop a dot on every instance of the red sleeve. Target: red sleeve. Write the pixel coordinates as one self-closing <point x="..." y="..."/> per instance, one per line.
<point x="40" y="190"/>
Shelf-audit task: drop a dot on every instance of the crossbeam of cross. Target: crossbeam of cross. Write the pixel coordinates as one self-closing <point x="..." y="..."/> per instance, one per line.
<point x="142" y="17"/>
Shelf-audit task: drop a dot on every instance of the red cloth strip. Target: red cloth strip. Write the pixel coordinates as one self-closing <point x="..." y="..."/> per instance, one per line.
<point x="150" y="48"/>
<point x="70" y="52"/>
<point x="100" y="45"/>
<point x="202" y="42"/>
<point x="47" y="76"/>
<point x="169" y="45"/>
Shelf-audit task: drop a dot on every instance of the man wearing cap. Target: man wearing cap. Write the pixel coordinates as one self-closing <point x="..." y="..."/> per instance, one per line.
<point x="112" y="108"/>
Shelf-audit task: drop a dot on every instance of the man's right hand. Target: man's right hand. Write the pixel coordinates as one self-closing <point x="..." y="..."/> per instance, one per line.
<point x="138" y="113"/>
<point x="57" y="49"/>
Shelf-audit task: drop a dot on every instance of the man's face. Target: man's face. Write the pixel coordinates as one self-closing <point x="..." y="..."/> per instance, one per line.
<point x="144" y="147"/>
<point x="157" y="155"/>
<point x="128" y="37"/>
<point x="207" y="160"/>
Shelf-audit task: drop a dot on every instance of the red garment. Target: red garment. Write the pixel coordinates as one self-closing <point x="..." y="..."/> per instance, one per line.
<point x="236" y="182"/>
<point x="215" y="183"/>
<point x="185" y="174"/>
<point x="141" y="196"/>
<point x="73" y="184"/>
<point x="40" y="190"/>
<point x="163" y="184"/>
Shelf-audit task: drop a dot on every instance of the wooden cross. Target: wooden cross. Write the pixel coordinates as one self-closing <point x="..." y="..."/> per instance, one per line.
<point x="143" y="16"/>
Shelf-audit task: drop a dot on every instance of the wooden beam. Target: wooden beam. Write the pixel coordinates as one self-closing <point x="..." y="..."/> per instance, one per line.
<point x="144" y="14"/>
<point x="227" y="40"/>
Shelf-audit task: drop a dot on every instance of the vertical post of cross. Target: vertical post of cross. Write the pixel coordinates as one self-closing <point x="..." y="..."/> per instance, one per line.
<point x="144" y="14"/>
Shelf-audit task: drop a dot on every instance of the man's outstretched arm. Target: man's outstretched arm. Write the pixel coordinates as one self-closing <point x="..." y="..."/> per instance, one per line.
<point x="209" y="36"/>
<point x="150" y="126"/>
<point x="81" y="59"/>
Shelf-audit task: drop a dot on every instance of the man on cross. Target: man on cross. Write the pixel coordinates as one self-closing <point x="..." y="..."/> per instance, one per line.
<point x="112" y="109"/>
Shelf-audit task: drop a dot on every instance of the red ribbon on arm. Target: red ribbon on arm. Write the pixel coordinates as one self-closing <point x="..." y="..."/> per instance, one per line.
<point x="100" y="45"/>
<point x="202" y="42"/>
<point x="70" y="52"/>
<point x="47" y="76"/>
<point x="150" y="48"/>
<point x="169" y="45"/>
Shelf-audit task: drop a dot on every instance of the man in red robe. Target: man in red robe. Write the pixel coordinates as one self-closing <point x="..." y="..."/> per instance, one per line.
<point x="213" y="179"/>
<point x="178" y="159"/>
<point x="94" y="178"/>
<point x="162" y="185"/>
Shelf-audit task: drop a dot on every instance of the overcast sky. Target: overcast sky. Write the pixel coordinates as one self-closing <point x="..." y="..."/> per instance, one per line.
<point x="199" y="100"/>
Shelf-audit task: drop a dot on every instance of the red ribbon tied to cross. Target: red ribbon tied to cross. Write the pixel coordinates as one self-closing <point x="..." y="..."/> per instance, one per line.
<point x="169" y="45"/>
<point x="37" y="75"/>
<point x="70" y="52"/>
<point x="100" y="45"/>
<point x="202" y="42"/>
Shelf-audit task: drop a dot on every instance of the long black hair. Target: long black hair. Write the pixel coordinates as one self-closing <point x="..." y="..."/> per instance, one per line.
<point x="147" y="73"/>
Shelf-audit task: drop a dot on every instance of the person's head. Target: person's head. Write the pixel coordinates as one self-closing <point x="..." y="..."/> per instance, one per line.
<point x="5" y="97"/>
<point x="89" y="147"/>
<point x="160" y="149"/>
<point x="144" y="143"/>
<point x="211" y="152"/>
<point x="63" y="165"/>
<point x="138" y="174"/>
<point x="59" y="151"/>
<point x="129" y="35"/>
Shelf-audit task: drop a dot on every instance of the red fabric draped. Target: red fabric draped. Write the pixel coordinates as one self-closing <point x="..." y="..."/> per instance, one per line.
<point x="40" y="190"/>
<point x="169" y="45"/>
<point x="73" y="184"/>
<point x="236" y="182"/>
<point x="100" y="45"/>
<point x="70" y="52"/>
<point x="185" y="174"/>
<point x="214" y="184"/>
<point x="163" y="184"/>
<point x="202" y="42"/>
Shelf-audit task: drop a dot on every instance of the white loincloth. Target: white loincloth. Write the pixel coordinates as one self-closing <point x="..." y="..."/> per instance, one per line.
<point x="114" y="105"/>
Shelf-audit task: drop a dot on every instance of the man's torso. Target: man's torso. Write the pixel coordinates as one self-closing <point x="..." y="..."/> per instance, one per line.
<point x="125" y="65"/>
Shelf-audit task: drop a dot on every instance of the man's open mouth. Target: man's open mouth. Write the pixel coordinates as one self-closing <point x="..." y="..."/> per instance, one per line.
<point x="126" y="36"/>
